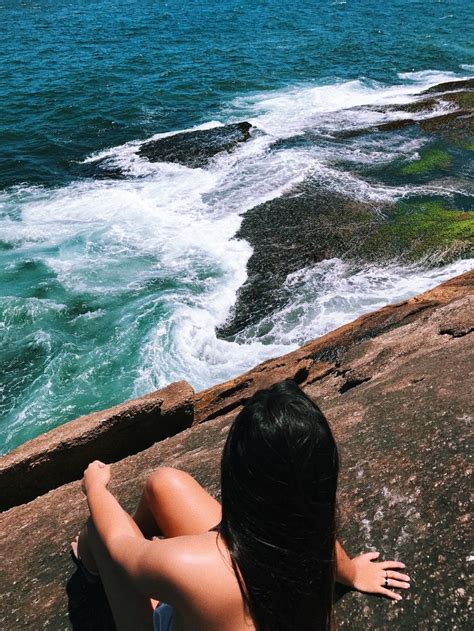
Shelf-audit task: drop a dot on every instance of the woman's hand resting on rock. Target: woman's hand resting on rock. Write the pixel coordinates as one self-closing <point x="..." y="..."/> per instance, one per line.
<point x="96" y="473"/>
<point x="374" y="577"/>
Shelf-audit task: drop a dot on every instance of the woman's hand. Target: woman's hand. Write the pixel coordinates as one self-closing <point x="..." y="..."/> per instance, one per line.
<point x="376" y="578"/>
<point x="96" y="473"/>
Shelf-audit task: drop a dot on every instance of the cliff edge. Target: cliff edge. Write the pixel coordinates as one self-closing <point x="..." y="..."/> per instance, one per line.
<point x="396" y="386"/>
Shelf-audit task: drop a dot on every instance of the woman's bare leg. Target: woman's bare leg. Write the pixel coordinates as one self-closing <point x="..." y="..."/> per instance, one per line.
<point x="173" y="504"/>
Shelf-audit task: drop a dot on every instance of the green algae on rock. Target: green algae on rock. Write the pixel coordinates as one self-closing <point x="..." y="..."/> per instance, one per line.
<point x="433" y="159"/>
<point x="425" y="230"/>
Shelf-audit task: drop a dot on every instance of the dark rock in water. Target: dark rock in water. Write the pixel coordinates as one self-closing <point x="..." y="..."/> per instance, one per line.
<point x="463" y="100"/>
<point x="448" y="86"/>
<point x="287" y="234"/>
<point x="193" y="149"/>
<point x="455" y="122"/>
<point x="395" y="389"/>
<point x="458" y="126"/>
<point x="395" y="125"/>
<point x="101" y="169"/>
<point x="196" y="148"/>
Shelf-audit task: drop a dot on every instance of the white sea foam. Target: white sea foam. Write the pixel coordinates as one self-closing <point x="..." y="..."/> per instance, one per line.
<point x="288" y="112"/>
<point x="333" y="292"/>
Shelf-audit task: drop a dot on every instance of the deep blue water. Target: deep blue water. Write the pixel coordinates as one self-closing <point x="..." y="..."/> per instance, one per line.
<point x="79" y="76"/>
<point x="110" y="288"/>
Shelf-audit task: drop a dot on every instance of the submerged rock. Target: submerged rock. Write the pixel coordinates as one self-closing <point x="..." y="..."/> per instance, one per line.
<point x="456" y="122"/>
<point x="449" y="86"/>
<point x="457" y="126"/>
<point x="396" y="389"/>
<point x="429" y="160"/>
<point x="195" y="148"/>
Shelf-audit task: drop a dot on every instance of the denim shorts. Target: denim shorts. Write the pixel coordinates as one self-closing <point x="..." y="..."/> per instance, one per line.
<point x="162" y="617"/>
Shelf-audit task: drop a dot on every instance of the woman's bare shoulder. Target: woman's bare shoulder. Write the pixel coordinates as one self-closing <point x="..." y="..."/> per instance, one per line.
<point x="203" y="554"/>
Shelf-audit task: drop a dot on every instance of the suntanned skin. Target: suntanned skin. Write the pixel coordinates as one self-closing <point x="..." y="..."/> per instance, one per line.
<point x="190" y="568"/>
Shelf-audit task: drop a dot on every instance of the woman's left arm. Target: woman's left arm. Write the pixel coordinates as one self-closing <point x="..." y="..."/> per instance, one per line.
<point x="365" y="574"/>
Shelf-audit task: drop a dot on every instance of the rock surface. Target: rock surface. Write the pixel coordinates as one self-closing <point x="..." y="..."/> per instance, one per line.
<point x="195" y="148"/>
<point x="396" y="388"/>
<point x="61" y="455"/>
<point x="456" y="98"/>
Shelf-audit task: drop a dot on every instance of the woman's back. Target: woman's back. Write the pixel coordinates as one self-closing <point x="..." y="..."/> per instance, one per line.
<point x="208" y="596"/>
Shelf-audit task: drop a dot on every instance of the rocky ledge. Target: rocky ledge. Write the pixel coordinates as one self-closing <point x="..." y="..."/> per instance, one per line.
<point x="396" y="386"/>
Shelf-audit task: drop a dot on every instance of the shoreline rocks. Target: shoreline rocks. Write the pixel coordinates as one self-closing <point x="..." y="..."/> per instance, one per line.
<point x="61" y="455"/>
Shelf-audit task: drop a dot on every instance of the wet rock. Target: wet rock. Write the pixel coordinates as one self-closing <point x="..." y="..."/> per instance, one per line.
<point x="449" y="86"/>
<point x="102" y="169"/>
<point x="311" y="224"/>
<point x="305" y="226"/>
<point x="403" y="439"/>
<point x="458" y="126"/>
<point x="195" y="148"/>
<point x="456" y="122"/>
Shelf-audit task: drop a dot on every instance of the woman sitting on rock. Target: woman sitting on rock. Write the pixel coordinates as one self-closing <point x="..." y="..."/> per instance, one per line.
<point x="271" y="562"/>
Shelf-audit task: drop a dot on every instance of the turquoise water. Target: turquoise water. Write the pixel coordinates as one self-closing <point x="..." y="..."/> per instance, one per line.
<point x="111" y="288"/>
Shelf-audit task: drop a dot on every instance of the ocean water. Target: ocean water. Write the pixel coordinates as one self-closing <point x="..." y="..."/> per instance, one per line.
<point x="110" y="288"/>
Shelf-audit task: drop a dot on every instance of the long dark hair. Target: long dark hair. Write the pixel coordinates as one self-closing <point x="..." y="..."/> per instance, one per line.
<point x="278" y="479"/>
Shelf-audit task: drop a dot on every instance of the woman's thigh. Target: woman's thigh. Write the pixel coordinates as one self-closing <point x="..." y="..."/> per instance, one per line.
<point x="179" y="504"/>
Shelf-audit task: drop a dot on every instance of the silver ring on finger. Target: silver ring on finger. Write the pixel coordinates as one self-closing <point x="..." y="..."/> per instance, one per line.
<point x="385" y="582"/>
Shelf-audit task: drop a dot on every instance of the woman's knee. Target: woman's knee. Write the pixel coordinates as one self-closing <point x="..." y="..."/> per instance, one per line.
<point x="166" y="480"/>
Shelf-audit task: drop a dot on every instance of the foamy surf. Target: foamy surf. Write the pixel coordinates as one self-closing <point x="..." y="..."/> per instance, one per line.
<point x="343" y="105"/>
<point x="324" y="297"/>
